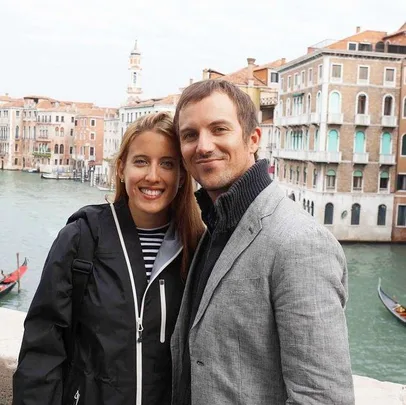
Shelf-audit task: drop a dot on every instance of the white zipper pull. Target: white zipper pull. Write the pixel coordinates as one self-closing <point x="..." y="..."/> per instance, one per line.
<point x="77" y="396"/>
<point x="140" y="328"/>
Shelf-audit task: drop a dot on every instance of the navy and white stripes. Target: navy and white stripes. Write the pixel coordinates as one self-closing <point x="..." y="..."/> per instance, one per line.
<point x="151" y="240"/>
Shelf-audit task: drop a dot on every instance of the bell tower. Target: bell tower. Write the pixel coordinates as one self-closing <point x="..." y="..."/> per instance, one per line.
<point x="134" y="67"/>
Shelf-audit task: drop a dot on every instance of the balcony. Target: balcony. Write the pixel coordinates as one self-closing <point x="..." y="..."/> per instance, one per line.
<point x="323" y="156"/>
<point x="290" y="154"/>
<point x="280" y="121"/>
<point x="77" y="156"/>
<point x="43" y="138"/>
<point x="335" y="118"/>
<point x="362" y="120"/>
<point x="389" y="121"/>
<point x="387" y="159"/>
<point x="360" y="158"/>
<point x="314" y="118"/>
<point x="42" y="153"/>
<point x="296" y="120"/>
<point x="268" y="98"/>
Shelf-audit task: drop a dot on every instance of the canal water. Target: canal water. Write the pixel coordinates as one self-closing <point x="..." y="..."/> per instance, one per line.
<point x="33" y="210"/>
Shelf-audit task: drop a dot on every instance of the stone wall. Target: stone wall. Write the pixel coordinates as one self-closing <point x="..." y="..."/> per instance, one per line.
<point x="367" y="390"/>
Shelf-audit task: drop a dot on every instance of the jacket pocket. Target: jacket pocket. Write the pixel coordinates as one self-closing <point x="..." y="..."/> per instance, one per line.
<point x="163" y="310"/>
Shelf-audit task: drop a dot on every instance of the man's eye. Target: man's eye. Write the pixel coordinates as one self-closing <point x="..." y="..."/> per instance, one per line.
<point x="187" y="136"/>
<point x="219" y="129"/>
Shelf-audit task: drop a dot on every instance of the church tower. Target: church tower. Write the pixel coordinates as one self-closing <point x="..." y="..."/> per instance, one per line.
<point x="134" y="66"/>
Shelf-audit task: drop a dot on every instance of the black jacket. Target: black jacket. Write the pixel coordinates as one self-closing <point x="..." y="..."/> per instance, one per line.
<point x="105" y="363"/>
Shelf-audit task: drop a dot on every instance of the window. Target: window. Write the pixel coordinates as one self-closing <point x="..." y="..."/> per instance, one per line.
<point x="331" y="179"/>
<point x="357" y="180"/>
<point x="56" y="131"/>
<point x="359" y="146"/>
<point x="305" y="176"/>
<point x="363" y="74"/>
<point x="316" y="140"/>
<point x="381" y="215"/>
<point x="309" y="103"/>
<point x="310" y="76"/>
<point x="318" y="103"/>
<point x="72" y="119"/>
<point x="61" y="149"/>
<point x="401" y="183"/>
<point x="328" y="214"/>
<point x="352" y="46"/>
<point x="403" y="146"/>
<point x="404" y="106"/>
<point x="17" y="132"/>
<point x="386" y="144"/>
<point x="401" y="215"/>
<point x="56" y="162"/>
<point x="320" y="73"/>
<point x="389" y="76"/>
<point x="303" y="79"/>
<point x="274" y="77"/>
<point x="70" y="150"/>
<point x="296" y="79"/>
<point x="62" y="132"/>
<point x="91" y="151"/>
<point x="355" y="214"/>
<point x="62" y="118"/>
<point x="335" y="103"/>
<point x="71" y="132"/>
<point x="297" y="174"/>
<point x="17" y="114"/>
<point x="282" y="84"/>
<point x="333" y="141"/>
<point x="364" y="46"/>
<point x="92" y="136"/>
<point x="383" y="181"/>
<point x="388" y="105"/>
<point x="289" y="82"/>
<point x="57" y="118"/>
<point x="362" y="104"/>
<point x="16" y="161"/>
<point x="336" y="72"/>
<point x="314" y="177"/>
<point x="56" y="149"/>
<point x="67" y="161"/>
<point x="92" y="123"/>
<point x="76" y="123"/>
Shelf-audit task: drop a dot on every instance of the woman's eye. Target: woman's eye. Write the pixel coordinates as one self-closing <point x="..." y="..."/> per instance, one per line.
<point x="167" y="164"/>
<point x="140" y="162"/>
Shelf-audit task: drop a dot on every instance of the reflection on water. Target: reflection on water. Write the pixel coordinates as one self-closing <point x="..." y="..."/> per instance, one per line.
<point x="32" y="211"/>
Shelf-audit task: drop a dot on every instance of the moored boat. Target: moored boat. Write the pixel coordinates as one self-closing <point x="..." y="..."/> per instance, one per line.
<point x="397" y="310"/>
<point x="56" y="176"/>
<point x="8" y="282"/>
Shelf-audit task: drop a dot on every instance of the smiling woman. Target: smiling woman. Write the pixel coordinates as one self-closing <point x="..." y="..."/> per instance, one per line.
<point x="141" y="248"/>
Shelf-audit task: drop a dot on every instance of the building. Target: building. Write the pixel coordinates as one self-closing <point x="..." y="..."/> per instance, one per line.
<point x="337" y="134"/>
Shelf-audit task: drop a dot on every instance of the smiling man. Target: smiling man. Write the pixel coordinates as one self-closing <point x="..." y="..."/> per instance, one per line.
<point x="262" y="319"/>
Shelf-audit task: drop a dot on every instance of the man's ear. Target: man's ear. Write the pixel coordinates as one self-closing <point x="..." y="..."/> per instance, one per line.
<point x="254" y="140"/>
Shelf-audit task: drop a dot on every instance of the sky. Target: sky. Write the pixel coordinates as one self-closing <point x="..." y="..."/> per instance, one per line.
<point x="78" y="49"/>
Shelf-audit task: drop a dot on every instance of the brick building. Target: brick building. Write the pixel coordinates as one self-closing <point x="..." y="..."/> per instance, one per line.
<point x="337" y="134"/>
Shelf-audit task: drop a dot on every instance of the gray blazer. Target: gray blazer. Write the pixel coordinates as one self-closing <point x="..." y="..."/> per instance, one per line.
<point x="270" y="328"/>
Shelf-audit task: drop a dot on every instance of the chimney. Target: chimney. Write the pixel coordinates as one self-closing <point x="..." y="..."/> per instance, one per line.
<point x="251" y="65"/>
<point x="190" y="81"/>
<point x="206" y="74"/>
<point x="358" y="30"/>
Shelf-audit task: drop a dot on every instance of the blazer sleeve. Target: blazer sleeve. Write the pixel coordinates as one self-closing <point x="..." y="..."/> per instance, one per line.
<point x="310" y="293"/>
<point x="39" y="375"/>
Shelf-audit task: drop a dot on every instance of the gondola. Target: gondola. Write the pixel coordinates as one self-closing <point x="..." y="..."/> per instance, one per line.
<point x="397" y="310"/>
<point x="8" y="282"/>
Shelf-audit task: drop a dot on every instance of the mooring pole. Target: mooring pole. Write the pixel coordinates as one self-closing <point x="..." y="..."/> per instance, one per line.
<point x="18" y="270"/>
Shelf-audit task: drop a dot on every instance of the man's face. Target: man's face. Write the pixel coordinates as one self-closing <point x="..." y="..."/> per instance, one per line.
<point x="212" y="143"/>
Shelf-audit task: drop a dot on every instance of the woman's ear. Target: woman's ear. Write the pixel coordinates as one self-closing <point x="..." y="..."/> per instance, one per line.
<point x="121" y="169"/>
<point x="182" y="178"/>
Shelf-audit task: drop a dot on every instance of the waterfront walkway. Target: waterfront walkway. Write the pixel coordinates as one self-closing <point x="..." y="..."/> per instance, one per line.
<point x="367" y="390"/>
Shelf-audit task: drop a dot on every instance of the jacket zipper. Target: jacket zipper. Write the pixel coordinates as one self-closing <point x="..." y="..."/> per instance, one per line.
<point x="76" y="397"/>
<point x="163" y="309"/>
<point x="138" y="314"/>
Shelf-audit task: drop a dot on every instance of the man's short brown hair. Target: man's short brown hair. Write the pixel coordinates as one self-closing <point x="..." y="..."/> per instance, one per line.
<point x="246" y="111"/>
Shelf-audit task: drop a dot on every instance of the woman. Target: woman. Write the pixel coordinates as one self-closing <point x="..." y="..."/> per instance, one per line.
<point x="142" y="247"/>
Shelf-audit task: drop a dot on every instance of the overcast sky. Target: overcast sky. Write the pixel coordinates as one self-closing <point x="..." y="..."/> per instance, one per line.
<point x="78" y="49"/>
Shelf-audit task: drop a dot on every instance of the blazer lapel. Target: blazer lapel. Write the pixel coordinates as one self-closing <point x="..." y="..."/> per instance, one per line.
<point x="133" y="245"/>
<point x="246" y="231"/>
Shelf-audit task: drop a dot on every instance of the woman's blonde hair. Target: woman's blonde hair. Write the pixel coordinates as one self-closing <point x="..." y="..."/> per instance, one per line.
<point x="185" y="211"/>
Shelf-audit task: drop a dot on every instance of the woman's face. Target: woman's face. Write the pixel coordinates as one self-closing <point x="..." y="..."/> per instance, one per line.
<point x="152" y="176"/>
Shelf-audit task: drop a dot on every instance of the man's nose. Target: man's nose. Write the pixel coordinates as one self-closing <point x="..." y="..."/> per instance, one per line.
<point x="205" y="143"/>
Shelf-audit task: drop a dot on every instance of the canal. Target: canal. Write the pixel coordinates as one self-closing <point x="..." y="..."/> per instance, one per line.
<point x="33" y="210"/>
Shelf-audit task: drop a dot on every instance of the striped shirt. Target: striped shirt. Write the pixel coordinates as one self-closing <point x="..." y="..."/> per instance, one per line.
<point x="151" y="240"/>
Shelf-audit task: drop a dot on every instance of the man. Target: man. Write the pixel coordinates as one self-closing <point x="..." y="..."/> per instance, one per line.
<point x="262" y="319"/>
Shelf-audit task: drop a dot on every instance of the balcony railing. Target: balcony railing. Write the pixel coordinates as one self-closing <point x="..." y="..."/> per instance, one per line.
<point x="324" y="156"/>
<point x="41" y="153"/>
<point x="268" y="98"/>
<point x="389" y="121"/>
<point x="360" y="158"/>
<point x="314" y="118"/>
<point x="387" y="159"/>
<point x="292" y="154"/>
<point x="335" y="118"/>
<point x="362" y="120"/>
<point x="280" y="121"/>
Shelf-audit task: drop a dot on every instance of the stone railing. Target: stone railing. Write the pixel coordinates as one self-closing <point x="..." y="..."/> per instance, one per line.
<point x="367" y="390"/>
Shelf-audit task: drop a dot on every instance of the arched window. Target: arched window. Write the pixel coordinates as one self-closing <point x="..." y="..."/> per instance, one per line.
<point x="312" y="208"/>
<point x="309" y="103"/>
<point x="359" y="142"/>
<point x="386" y="144"/>
<point x="288" y="107"/>
<point x="404" y="107"/>
<point x="331" y="179"/>
<point x="308" y="205"/>
<point x="56" y="148"/>
<point x="61" y="148"/>
<point x="388" y="105"/>
<point x="297" y="174"/>
<point x="383" y="180"/>
<point x="357" y="180"/>
<point x="381" y="215"/>
<point x="403" y="146"/>
<point x="335" y="102"/>
<point x="332" y="141"/>
<point x="362" y="104"/>
<point x="328" y="214"/>
<point x="316" y="140"/>
<point x="314" y="177"/>
<point x="355" y="214"/>
<point x="380" y="47"/>
<point x="56" y="131"/>
<point x="304" y="203"/>
<point x="318" y="103"/>
<point x="17" y="131"/>
<point x="62" y="132"/>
